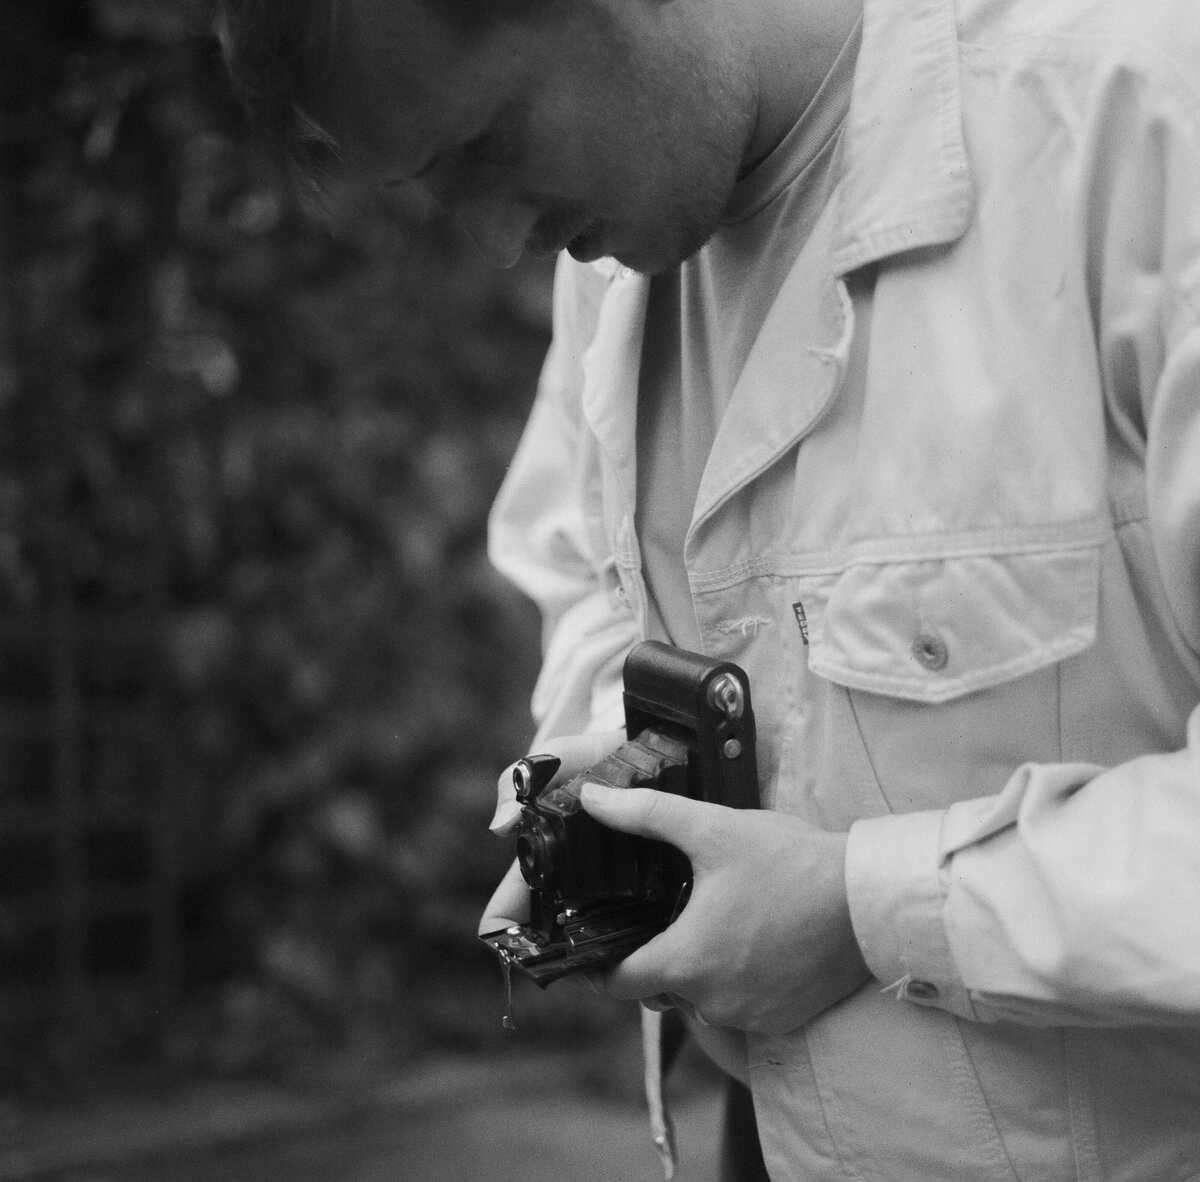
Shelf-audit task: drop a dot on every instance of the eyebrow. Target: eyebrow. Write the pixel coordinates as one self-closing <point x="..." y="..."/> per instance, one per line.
<point x="436" y="157"/>
<point x="426" y="168"/>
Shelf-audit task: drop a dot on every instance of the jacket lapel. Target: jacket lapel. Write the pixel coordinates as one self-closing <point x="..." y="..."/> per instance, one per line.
<point x="790" y="378"/>
<point x="905" y="184"/>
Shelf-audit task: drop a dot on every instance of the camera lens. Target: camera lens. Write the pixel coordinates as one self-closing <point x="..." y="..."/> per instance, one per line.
<point x="537" y="854"/>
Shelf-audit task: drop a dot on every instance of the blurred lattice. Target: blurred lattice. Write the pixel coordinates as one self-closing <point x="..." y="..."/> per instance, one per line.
<point x="264" y="447"/>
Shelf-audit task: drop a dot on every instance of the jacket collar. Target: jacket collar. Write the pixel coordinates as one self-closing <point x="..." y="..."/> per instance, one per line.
<point x="906" y="180"/>
<point x="905" y="184"/>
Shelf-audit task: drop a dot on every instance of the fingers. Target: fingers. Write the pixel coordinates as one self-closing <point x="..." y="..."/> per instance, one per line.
<point x="646" y="813"/>
<point x="646" y="976"/>
<point x="508" y="905"/>
<point x="508" y="813"/>
<point x="647" y="972"/>
<point x="576" y="753"/>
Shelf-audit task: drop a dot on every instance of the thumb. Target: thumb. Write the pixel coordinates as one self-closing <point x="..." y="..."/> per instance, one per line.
<point x="575" y="754"/>
<point x="644" y="812"/>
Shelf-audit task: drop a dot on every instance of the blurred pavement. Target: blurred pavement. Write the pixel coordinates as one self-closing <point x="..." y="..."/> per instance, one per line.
<point x="512" y="1118"/>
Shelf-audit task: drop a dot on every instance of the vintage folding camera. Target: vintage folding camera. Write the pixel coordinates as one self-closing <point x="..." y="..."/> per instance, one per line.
<point x="597" y="894"/>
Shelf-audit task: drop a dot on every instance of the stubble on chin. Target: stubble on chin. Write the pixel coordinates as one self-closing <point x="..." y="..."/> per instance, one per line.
<point x="688" y="165"/>
<point x="691" y="219"/>
<point x="665" y="256"/>
<point x="702" y="175"/>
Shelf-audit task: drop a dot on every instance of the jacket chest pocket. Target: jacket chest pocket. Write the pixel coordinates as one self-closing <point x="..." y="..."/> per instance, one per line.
<point x="940" y="675"/>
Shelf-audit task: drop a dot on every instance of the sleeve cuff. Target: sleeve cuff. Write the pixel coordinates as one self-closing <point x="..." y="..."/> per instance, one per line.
<point x="896" y="895"/>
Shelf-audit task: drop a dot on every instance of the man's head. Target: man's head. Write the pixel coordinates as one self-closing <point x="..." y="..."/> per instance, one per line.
<point x="600" y="126"/>
<point x="284" y="60"/>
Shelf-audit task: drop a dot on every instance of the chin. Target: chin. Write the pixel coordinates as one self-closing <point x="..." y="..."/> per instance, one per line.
<point x="662" y="248"/>
<point x="644" y="264"/>
<point x="662" y="257"/>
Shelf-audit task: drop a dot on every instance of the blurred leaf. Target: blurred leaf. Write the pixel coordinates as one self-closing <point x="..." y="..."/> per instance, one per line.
<point x="291" y="431"/>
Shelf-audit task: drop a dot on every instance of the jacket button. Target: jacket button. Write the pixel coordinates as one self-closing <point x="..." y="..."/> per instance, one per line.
<point x="931" y="651"/>
<point x="922" y="991"/>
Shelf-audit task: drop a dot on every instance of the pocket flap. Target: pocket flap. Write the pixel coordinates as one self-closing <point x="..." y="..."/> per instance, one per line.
<point x="933" y="629"/>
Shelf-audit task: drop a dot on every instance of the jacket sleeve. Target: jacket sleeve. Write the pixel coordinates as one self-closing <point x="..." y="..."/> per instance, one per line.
<point x="1071" y="897"/>
<point x="995" y="908"/>
<point x="539" y="534"/>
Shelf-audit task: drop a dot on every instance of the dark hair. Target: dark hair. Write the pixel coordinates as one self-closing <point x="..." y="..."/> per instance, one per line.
<point x="281" y="56"/>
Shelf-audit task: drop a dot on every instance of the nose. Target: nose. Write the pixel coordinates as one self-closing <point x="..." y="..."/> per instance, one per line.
<point x="498" y="224"/>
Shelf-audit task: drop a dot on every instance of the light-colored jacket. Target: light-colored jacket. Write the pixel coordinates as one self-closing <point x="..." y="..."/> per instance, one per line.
<point x="967" y="592"/>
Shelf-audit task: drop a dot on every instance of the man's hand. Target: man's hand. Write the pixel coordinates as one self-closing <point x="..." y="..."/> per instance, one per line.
<point x="509" y="904"/>
<point x="765" y="942"/>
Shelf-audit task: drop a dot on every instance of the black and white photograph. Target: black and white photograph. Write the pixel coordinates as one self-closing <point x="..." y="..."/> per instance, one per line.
<point x="600" y="591"/>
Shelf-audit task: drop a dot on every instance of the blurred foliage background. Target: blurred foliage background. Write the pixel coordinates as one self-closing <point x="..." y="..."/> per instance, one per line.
<point x="274" y="440"/>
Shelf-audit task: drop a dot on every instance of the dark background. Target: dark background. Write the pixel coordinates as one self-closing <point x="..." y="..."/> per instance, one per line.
<point x="257" y="677"/>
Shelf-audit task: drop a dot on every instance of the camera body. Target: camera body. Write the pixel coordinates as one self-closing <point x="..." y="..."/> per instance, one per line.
<point x="597" y="894"/>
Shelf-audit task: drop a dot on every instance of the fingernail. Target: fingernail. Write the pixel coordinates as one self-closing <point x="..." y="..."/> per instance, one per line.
<point x="507" y="813"/>
<point x="593" y="793"/>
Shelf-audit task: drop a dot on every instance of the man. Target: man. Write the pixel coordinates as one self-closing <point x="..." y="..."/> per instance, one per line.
<point x="876" y="369"/>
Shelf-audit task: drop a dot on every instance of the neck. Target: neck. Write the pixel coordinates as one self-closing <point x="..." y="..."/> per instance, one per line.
<point x="791" y="45"/>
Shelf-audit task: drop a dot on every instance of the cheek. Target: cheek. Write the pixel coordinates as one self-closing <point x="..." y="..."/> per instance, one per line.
<point x="564" y="172"/>
<point x="586" y="140"/>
